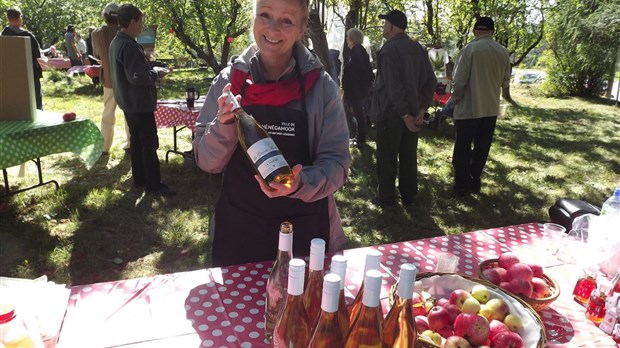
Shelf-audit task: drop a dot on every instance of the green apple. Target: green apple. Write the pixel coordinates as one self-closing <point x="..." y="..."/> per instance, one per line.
<point x="513" y="322"/>
<point x="435" y="337"/>
<point x="471" y="306"/>
<point x="499" y="309"/>
<point x="481" y="293"/>
<point x="485" y="311"/>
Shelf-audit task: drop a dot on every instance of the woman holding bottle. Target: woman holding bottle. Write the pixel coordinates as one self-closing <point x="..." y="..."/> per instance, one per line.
<point x="287" y="90"/>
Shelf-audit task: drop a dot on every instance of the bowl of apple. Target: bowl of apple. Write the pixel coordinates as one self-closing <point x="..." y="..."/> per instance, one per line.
<point x="454" y="310"/>
<point x="528" y="281"/>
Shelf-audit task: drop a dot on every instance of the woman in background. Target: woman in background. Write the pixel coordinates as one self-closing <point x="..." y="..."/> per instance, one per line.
<point x="357" y="78"/>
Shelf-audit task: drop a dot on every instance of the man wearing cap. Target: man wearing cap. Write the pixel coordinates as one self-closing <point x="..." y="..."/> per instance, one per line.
<point x="101" y="39"/>
<point x="482" y="69"/>
<point x="14" y="15"/>
<point x="403" y="91"/>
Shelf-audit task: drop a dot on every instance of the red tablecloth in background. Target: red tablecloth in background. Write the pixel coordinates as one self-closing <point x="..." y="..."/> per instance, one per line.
<point x="90" y="70"/>
<point x="225" y="307"/>
<point x="176" y="113"/>
<point x="54" y="63"/>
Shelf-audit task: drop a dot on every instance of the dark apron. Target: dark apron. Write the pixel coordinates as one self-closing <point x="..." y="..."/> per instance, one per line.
<point x="247" y="222"/>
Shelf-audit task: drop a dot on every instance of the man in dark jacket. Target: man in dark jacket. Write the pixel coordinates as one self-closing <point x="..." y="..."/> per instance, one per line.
<point x="403" y="91"/>
<point x="133" y="84"/>
<point x="14" y="15"/>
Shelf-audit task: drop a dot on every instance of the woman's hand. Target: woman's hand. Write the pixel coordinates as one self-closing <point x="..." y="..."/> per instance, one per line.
<point x="224" y="112"/>
<point x="279" y="190"/>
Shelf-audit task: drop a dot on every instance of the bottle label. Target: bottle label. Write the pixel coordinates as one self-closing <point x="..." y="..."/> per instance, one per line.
<point x="266" y="156"/>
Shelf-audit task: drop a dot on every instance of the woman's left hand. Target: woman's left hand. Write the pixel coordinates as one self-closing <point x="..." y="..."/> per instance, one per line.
<point x="279" y="190"/>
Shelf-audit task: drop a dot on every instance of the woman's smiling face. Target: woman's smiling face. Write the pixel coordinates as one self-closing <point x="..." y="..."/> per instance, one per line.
<point x="277" y="26"/>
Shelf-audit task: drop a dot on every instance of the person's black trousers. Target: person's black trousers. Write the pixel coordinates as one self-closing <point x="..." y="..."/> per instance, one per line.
<point x="37" y="93"/>
<point x="355" y="109"/>
<point x="396" y="156"/>
<point x="144" y="144"/>
<point x="469" y="162"/>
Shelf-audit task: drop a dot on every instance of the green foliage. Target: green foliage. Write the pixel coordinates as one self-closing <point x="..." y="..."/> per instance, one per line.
<point x="48" y="20"/>
<point x="583" y="43"/>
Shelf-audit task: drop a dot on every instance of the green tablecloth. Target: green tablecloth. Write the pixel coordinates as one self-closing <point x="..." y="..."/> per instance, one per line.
<point x="21" y="141"/>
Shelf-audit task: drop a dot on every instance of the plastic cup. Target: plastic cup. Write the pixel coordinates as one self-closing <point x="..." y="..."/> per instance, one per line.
<point x="571" y="245"/>
<point x="553" y="233"/>
<point x="447" y="263"/>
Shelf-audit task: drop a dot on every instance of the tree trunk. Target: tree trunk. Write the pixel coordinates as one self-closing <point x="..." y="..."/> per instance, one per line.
<point x="319" y="40"/>
<point x="610" y="80"/>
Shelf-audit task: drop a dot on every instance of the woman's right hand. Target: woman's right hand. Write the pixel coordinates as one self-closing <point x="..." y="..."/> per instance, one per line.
<point x="224" y="112"/>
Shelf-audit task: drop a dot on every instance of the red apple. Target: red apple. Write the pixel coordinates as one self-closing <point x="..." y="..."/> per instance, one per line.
<point x="418" y="305"/>
<point x="453" y="310"/>
<point x="421" y="323"/>
<point x="446" y="331"/>
<point x="520" y="287"/>
<point x="520" y="271"/>
<point x="540" y="288"/>
<point x="438" y="317"/>
<point x="536" y="269"/>
<point x="506" y="260"/>
<point x="504" y="285"/>
<point x="69" y="116"/>
<point x="459" y="296"/>
<point x="442" y="302"/>
<point x="495" y="275"/>
<point x="507" y="339"/>
<point x="473" y="327"/>
<point x="495" y="327"/>
<point x="456" y="342"/>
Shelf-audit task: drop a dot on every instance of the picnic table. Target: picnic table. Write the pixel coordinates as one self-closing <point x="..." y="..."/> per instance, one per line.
<point x="22" y="141"/>
<point x="225" y="306"/>
<point x="175" y="113"/>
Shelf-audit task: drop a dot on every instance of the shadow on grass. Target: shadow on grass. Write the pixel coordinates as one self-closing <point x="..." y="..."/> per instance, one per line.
<point x="135" y="234"/>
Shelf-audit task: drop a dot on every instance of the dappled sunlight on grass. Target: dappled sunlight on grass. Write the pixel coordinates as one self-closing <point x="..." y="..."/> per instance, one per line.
<point x="143" y="266"/>
<point x="99" y="198"/>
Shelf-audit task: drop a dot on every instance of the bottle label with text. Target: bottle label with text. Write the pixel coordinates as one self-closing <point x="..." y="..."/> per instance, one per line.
<point x="266" y="156"/>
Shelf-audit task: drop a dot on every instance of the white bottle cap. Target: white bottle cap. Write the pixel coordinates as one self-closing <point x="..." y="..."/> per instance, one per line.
<point x="406" y="280"/>
<point x="373" y="260"/>
<point x="331" y="293"/>
<point x="372" y="288"/>
<point x="296" y="272"/>
<point x="339" y="267"/>
<point x="285" y="243"/>
<point x="317" y="254"/>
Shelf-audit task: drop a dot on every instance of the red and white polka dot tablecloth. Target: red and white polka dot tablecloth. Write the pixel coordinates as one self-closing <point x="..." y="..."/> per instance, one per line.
<point x="224" y="307"/>
<point x="176" y="113"/>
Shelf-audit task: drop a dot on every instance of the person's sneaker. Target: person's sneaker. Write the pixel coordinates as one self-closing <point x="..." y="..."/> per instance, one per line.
<point x="163" y="190"/>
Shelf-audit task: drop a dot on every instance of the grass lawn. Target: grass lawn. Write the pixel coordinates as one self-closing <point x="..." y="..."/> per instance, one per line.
<point x="95" y="228"/>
